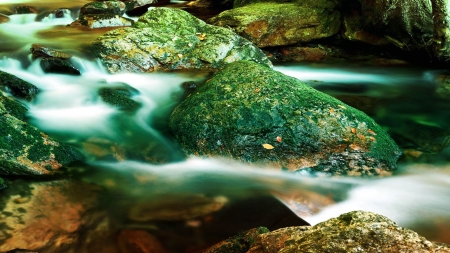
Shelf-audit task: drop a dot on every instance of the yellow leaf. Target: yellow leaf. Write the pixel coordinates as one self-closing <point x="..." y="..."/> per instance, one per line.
<point x="268" y="146"/>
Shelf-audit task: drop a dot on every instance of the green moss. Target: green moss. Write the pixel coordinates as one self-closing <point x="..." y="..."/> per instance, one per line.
<point x="119" y="97"/>
<point x="2" y="184"/>
<point x="13" y="107"/>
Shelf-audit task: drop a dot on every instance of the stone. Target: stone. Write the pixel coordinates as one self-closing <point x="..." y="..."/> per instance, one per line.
<point x="38" y="50"/>
<point x="58" y="66"/>
<point x="166" y="39"/>
<point x="139" y="7"/>
<point x="253" y="114"/>
<point x="312" y="4"/>
<point x="17" y="87"/>
<point x="24" y="150"/>
<point x="11" y="106"/>
<point x="353" y="30"/>
<point x="93" y="21"/>
<point x="105" y="7"/>
<point x="119" y="97"/>
<point x="132" y="241"/>
<point x="239" y="243"/>
<point x="275" y="24"/>
<point x="357" y="231"/>
<point x="3" y="18"/>
<point x="23" y="9"/>
<point x="406" y="24"/>
<point x="52" y="215"/>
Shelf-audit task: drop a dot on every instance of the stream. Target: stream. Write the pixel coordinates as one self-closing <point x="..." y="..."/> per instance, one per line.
<point x="401" y="98"/>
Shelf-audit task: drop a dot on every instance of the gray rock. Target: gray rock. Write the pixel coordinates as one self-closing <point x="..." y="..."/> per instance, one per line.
<point x="275" y="24"/>
<point x="252" y="113"/>
<point x="167" y="39"/>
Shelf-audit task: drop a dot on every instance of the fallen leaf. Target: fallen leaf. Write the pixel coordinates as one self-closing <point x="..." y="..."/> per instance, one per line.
<point x="371" y="132"/>
<point x="257" y="90"/>
<point x="268" y="146"/>
<point x="353" y="130"/>
<point x="279" y="139"/>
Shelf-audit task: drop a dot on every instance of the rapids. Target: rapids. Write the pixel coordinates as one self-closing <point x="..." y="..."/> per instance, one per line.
<point x="69" y="109"/>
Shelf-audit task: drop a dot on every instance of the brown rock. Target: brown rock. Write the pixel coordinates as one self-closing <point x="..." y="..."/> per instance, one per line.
<point x="303" y="53"/>
<point x="23" y="9"/>
<point x="139" y="241"/>
<point x="3" y="18"/>
<point x="353" y="30"/>
<point x="45" y="214"/>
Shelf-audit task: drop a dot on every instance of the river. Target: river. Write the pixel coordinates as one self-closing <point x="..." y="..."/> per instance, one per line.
<point x="400" y="98"/>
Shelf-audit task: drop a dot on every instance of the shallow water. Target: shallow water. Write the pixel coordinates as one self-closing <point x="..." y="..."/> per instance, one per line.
<point x="402" y="99"/>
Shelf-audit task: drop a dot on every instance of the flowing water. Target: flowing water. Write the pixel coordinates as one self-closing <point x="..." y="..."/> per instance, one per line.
<point x="119" y="144"/>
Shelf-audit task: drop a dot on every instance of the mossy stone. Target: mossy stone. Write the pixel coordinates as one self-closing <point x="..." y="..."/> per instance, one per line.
<point x="18" y="87"/>
<point x="254" y="114"/>
<point x="119" y="97"/>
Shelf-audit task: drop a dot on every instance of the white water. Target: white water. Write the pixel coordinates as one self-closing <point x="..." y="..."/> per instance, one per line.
<point x="69" y="106"/>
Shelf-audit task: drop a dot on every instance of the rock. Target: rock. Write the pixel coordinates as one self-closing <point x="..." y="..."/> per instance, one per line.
<point x="133" y="241"/>
<point x="23" y="9"/>
<point x="38" y="50"/>
<point x="253" y="114"/>
<point x="167" y="39"/>
<point x="357" y="231"/>
<point x="167" y="208"/>
<point x="52" y="215"/>
<point x="93" y="21"/>
<point x="214" y="4"/>
<point x="105" y="7"/>
<point x="312" y="4"/>
<point x="24" y="150"/>
<point x="17" y="87"/>
<point x="3" y="18"/>
<point x="60" y="13"/>
<point x="353" y="29"/>
<point x="302" y="53"/>
<point x="58" y="66"/>
<point x="11" y="106"/>
<point x="139" y="7"/>
<point x="239" y="243"/>
<point x="119" y="97"/>
<point x="275" y="24"/>
<point x="406" y="24"/>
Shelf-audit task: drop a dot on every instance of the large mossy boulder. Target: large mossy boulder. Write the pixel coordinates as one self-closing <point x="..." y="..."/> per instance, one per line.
<point x="357" y="231"/>
<point x="274" y="24"/>
<point x="254" y="114"/>
<point x="17" y="87"/>
<point x="24" y="150"/>
<point x="165" y="39"/>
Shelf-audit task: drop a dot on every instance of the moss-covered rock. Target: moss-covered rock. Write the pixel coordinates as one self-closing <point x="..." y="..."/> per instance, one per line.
<point x="165" y="39"/>
<point x="24" y="150"/>
<point x="312" y="4"/>
<point x="104" y="7"/>
<point x="357" y="231"/>
<point x="11" y="106"/>
<point x="119" y="97"/>
<point x="252" y="113"/>
<point x="17" y="87"/>
<point x="274" y="24"/>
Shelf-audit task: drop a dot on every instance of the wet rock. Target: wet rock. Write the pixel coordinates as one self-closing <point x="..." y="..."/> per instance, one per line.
<point x="11" y="106"/>
<point x="139" y="7"/>
<point x="239" y="243"/>
<point x="58" y="66"/>
<point x="105" y="7"/>
<point x="254" y="114"/>
<point x="93" y="21"/>
<point x="275" y="24"/>
<point x="323" y="4"/>
<point x="17" y="87"/>
<point x="356" y="231"/>
<point x="302" y="54"/>
<point x="406" y="24"/>
<point x="216" y="4"/>
<point x="353" y="29"/>
<point x="46" y="215"/>
<point x="38" y="50"/>
<point x="54" y="61"/>
<point x="3" y="18"/>
<point x="60" y="13"/>
<point x="119" y="97"/>
<point x="23" y="9"/>
<point x="24" y="150"/>
<point x="167" y="39"/>
<point x="175" y="207"/>
<point x="132" y="241"/>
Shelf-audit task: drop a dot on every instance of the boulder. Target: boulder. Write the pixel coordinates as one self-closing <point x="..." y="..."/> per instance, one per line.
<point x="406" y="24"/>
<point x="165" y="39"/>
<point x="254" y="114"/>
<point x="23" y="9"/>
<point x="357" y="231"/>
<point x="59" y="66"/>
<point x="17" y="87"/>
<point x="353" y="29"/>
<point x="312" y="4"/>
<point x="119" y="97"/>
<point x="93" y="21"/>
<point x="139" y="7"/>
<point x="275" y="24"/>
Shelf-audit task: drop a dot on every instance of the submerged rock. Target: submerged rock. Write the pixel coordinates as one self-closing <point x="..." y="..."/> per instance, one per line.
<point x="357" y="231"/>
<point x="47" y="215"/>
<point x="17" y="87"/>
<point x="119" y="97"/>
<point x="254" y="114"/>
<point x="275" y="24"/>
<point x="167" y="39"/>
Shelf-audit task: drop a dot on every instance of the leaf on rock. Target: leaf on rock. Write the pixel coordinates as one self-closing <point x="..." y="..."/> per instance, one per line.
<point x="268" y="146"/>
